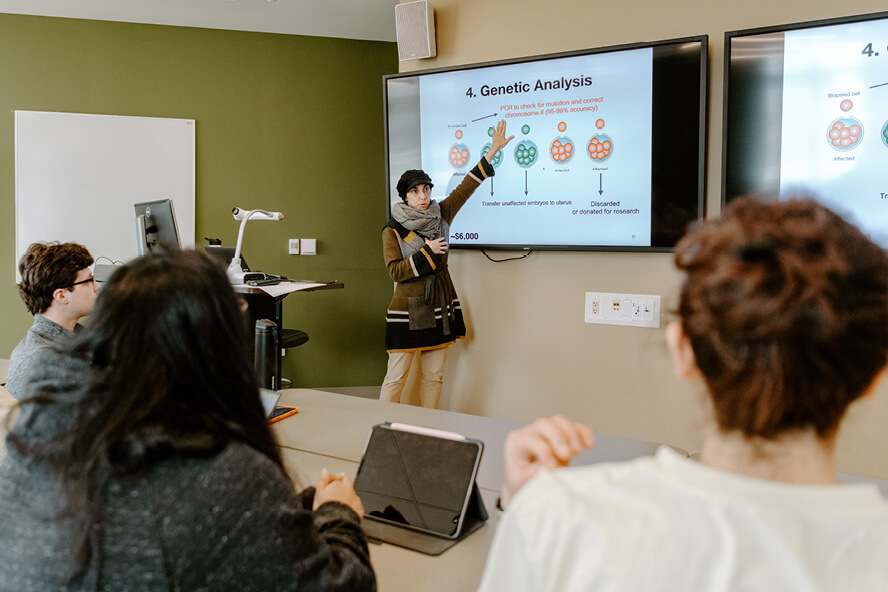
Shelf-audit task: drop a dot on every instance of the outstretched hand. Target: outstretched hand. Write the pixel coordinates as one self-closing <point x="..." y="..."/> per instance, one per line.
<point x="499" y="140"/>
<point x="549" y="442"/>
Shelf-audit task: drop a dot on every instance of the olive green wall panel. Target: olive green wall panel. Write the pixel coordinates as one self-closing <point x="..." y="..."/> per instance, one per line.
<point x="284" y="122"/>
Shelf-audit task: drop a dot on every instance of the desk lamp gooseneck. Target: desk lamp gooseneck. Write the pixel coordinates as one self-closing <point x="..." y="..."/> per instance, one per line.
<point x="236" y="274"/>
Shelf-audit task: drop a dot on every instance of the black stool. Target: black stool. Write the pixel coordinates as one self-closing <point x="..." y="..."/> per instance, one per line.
<point x="293" y="338"/>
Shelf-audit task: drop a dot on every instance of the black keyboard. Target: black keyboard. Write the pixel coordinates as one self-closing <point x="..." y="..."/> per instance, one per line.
<point x="269" y="280"/>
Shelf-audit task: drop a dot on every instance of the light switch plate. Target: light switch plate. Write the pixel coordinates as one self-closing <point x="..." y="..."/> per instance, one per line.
<point x="309" y="246"/>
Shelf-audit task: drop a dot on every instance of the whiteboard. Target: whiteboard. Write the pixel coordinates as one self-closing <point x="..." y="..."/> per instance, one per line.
<point x="77" y="177"/>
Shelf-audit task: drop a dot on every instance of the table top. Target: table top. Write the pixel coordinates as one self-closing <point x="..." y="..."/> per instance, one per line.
<point x="331" y="430"/>
<point x="338" y="426"/>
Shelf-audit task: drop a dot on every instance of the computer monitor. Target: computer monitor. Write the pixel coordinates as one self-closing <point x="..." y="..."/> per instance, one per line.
<point x="156" y="225"/>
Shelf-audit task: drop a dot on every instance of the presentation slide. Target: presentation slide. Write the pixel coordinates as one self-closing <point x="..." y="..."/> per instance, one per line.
<point x="579" y="169"/>
<point x="834" y="138"/>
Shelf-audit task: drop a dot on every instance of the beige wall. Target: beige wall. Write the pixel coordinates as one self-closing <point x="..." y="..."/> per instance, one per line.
<point x="528" y="351"/>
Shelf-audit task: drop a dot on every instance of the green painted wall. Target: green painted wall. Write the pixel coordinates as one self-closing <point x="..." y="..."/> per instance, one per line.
<point x="284" y="122"/>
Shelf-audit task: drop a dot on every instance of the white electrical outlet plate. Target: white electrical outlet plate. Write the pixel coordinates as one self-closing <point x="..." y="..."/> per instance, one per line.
<point x="309" y="246"/>
<point x="293" y="246"/>
<point x="633" y="310"/>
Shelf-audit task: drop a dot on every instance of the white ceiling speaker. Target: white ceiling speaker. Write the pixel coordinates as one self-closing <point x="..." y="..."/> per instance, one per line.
<point x="415" y="29"/>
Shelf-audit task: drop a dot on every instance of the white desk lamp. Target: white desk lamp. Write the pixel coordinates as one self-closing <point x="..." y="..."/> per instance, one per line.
<point x="236" y="275"/>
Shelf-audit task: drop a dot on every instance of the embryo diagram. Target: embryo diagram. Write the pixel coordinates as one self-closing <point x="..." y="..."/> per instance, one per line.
<point x="834" y="108"/>
<point x="600" y="147"/>
<point x="845" y="133"/>
<point x="561" y="169"/>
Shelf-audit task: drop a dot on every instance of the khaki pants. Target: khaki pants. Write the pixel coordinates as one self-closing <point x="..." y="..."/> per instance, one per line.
<point x="432" y="363"/>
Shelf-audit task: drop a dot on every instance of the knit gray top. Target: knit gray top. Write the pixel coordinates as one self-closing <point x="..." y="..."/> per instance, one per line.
<point x="42" y="333"/>
<point x="228" y="522"/>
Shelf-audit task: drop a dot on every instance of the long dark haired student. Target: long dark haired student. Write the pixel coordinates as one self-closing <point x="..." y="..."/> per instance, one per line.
<point x="783" y="324"/>
<point x="143" y="460"/>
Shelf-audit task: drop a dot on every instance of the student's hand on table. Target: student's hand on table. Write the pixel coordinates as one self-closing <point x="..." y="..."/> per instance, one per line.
<point x="438" y="246"/>
<point x="499" y="140"/>
<point x="549" y="442"/>
<point x="337" y="488"/>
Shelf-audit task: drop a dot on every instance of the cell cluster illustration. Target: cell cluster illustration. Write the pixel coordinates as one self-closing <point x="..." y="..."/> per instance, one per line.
<point x="526" y="153"/>
<point x="845" y="133"/>
<point x="600" y="147"/>
<point x="562" y="149"/>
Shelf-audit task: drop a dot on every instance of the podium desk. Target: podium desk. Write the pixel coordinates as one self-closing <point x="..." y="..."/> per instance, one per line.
<point x="330" y="432"/>
<point x="267" y="302"/>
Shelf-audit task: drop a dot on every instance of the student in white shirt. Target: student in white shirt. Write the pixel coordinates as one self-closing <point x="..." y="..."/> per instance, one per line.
<point x="783" y="324"/>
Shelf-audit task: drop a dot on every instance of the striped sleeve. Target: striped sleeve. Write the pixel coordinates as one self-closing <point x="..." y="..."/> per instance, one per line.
<point x="399" y="268"/>
<point x="424" y="261"/>
<point x="482" y="170"/>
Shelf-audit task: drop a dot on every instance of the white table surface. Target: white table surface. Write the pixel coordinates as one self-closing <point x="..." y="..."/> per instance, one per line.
<point x="330" y="432"/>
<point x="338" y="426"/>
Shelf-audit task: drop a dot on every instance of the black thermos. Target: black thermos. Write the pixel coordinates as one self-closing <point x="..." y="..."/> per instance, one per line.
<point x="265" y="360"/>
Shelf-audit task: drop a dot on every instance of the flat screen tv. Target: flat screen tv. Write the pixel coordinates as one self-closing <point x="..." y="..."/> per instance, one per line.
<point x="806" y="113"/>
<point x="609" y="149"/>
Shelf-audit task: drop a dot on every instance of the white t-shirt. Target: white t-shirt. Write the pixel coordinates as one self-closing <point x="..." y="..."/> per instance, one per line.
<point x="667" y="523"/>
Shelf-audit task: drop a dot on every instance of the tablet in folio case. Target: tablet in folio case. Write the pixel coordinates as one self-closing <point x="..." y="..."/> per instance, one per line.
<point x="418" y="487"/>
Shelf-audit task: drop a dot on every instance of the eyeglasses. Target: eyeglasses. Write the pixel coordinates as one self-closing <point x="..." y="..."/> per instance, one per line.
<point x="86" y="281"/>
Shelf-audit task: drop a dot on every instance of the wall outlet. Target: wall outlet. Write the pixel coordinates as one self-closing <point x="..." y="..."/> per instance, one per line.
<point x="293" y="246"/>
<point x="309" y="246"/>
<point x="634" y="310"/>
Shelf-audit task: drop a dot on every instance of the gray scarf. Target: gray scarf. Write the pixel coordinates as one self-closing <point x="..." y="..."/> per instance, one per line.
<point x="425" y="222"/>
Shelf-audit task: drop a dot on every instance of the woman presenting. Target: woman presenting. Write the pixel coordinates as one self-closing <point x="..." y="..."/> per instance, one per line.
<point x="424" y="315"/>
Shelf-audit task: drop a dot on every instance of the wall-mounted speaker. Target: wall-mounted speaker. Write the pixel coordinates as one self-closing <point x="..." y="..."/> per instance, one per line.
<point x="415" y="28"/>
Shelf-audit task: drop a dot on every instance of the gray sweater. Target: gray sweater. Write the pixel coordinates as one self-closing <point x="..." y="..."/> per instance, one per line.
<point x="229" y="522"/>
<point x="43" y="333"/>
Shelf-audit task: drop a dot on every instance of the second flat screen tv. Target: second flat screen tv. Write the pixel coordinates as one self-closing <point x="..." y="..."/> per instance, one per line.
<point x="806" y="114"/>
<point x="609" y="148"/>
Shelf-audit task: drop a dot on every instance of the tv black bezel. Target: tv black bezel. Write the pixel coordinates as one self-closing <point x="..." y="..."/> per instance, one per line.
<point x="730" y="35"/>
<point x="701" y="148"/>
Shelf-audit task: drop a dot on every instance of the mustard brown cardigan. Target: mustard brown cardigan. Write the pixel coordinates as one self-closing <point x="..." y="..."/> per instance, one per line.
<point x="424" y="312"/>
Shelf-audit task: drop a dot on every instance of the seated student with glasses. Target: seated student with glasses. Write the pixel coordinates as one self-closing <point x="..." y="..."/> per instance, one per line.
<point x="142" y="460"/>
<point x="58" y="288"/>
<point x="783" y="324"/>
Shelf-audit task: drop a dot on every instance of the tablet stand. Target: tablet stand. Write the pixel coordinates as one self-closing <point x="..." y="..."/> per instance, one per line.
<point x="394" y="534"/>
